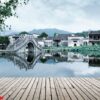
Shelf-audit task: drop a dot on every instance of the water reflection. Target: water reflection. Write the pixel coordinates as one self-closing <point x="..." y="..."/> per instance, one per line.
<point x="94" y="61"/>
<point x="60" y="57"/>
<point x="28" y="61"/>
<point x="50" y="64"/>
<point x="54" y="57"/>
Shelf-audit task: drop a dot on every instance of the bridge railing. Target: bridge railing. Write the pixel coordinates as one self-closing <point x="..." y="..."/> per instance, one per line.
<point x="21" y="41"/>
<point x="10" y="46"/>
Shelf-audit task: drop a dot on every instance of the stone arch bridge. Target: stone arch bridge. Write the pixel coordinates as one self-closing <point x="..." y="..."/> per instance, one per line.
<point x="23" y="43"/>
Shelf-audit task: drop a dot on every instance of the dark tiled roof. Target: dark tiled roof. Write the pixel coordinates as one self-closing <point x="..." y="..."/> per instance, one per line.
<point x="62" y="37"/>
<point x="94" y="32"/>
<point x="38" y="39"/>
<point x="49" y="38"/>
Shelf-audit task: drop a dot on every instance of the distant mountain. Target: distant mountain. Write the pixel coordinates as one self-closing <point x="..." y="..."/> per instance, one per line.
<point x="9" y="32"/>
<point x="50" y="32"/>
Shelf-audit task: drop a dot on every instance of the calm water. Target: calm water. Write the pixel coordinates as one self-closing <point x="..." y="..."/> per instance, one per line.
<point x="62" y="64"/>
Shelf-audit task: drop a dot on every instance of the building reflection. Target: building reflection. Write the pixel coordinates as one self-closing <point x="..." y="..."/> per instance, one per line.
<point x="94" y="61"/>
<point x="65" y="57"/>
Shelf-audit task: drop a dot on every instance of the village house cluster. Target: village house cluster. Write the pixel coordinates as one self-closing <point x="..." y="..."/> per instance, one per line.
<point x="70" y="40"/>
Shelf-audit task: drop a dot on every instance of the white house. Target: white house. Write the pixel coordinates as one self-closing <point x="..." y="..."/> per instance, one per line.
<point x="61" y="39"/>
<point x="48" y="41"/>
<point x="75" y="41"/>
<point x="45" y="42"/>
<point x="41" y="43"/>
<point x="86" y="41"/>
<point x="34" y="35"/>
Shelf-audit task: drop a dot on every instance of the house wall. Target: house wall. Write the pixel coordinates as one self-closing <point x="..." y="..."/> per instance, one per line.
<point x="64" y="42"/>
<point x="48" y="43"/>
<point x="75" y="41"/>
<point x="41" y="43"/>
<point x="94" y="38"/>
<point x="86" y="41"/>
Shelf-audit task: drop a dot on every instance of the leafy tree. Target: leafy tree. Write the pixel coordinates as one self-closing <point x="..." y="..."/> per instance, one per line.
<point x="4" y="40"/>
<point x="23" y="32"/>
<point x="55" y="34"/>
<point x="7" y="9"/>
<point x="84" y="34"/>
<point x="43" y="35"/>
<point x="43" y="60"/>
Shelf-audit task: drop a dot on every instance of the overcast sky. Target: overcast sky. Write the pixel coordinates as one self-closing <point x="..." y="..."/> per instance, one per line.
<point x="69" y="15"/>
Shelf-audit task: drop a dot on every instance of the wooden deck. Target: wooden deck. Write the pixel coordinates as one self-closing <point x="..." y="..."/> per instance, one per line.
<point x="50" y="88"/>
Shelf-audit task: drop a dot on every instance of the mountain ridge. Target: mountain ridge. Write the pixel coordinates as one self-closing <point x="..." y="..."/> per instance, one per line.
<point x="50" y="31"/>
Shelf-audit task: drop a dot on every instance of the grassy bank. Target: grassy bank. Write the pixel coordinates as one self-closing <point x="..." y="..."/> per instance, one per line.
<point x="84" y="49"/>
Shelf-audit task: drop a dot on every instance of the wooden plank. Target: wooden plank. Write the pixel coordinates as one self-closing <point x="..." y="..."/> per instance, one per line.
<point x="19" y="95"/>
<point x="33" y="89"/>
<point x="95" y="93"/>
<point x="13" y="89"/>
<point x="38" y="89"/>
<point x="27" y="90"/>
<point x="58" y="90"/>
<point x="23" y="89"/>
<point x="3" y="80"/>
<point x="43" y="90"/>
<point x="8" y="90"/>
<point x="50" y="88"/>
<point x="93" y="86"/>
<point x="13" y="96"/>
<point x="94" y="82"/>
<point x="97" y="79"/>
<point x="78" y="89"/>
<point x="5" y="84"/>
<point x="68" y="89"/>
<point x="53" y="90"/>
<point x="9" y="86"/>
<point x="48" y="91"/>
<point x="83" y="87"/>
<point x="65" y="94"/>
<point x="76" y="93"/>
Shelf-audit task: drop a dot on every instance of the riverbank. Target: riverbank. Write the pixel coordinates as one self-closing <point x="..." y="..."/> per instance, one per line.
<point x="87" y="49"/>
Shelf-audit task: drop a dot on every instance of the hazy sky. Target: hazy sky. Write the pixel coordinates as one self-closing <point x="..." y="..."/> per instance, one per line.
<point x="69" y="15"/>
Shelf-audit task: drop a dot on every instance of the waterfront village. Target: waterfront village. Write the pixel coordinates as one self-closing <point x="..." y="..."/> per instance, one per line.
<point x="58" y="40"/>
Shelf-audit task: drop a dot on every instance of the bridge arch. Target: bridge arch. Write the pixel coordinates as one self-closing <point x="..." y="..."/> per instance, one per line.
<point x="22" y="42"/>
<point x="30" y="47"/>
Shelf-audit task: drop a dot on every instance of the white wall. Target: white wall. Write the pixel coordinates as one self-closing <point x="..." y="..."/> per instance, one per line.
<point x="79" y="41"/>
<point x="11" y="39"/>
<point x="41" y="43"/>
<point x="35" y="35"/>
<point x="48" y="43"/>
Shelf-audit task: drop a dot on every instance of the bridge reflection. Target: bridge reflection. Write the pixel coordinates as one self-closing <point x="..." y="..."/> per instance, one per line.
<point x="23" y="61"/>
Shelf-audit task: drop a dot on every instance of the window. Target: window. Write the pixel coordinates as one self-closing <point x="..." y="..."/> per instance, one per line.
<point x="74" y="41"/>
